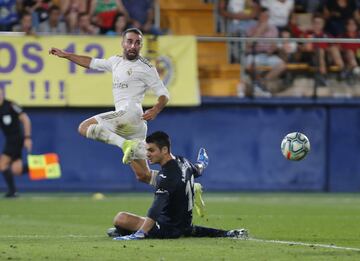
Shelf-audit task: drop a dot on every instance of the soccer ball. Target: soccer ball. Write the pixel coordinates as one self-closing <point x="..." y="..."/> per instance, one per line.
<point x="295" y="146"/>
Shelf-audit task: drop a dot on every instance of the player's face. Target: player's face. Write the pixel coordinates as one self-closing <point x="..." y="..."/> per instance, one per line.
<point x="154" y="154"/>
<point x="131" y="44"/>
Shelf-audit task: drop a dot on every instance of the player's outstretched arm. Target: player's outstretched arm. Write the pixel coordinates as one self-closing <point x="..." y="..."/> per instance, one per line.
<point x="81" y="60"/>
<point x="151" y="113"/>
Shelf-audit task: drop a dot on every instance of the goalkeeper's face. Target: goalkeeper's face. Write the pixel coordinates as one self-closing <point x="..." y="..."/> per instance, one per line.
<point x="156" y="155"/>
<point x="131" y="44"/>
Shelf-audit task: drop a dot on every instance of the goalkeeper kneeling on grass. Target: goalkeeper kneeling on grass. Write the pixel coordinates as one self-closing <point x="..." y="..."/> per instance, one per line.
<point x="170" y="215"/>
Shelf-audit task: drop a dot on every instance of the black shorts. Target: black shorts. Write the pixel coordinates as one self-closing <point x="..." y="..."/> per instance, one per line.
<point x="13" y="147"/>
<point x="162" y="230"/>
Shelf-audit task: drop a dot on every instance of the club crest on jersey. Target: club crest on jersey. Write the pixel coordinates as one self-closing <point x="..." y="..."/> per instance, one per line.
<point x="7" y="119"/>
<point x="129" y="72"/>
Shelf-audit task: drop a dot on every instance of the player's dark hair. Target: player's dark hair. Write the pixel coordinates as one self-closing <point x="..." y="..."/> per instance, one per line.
<point x="132" y="30"/>
<point x="160" y="138"/>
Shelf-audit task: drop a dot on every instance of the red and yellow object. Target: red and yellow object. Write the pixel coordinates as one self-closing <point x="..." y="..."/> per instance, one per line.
<point x="44" y="166"/>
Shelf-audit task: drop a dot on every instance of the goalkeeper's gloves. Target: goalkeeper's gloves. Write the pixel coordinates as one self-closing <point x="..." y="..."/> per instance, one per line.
<point x="203" y="158"/>
<point x="140" y="234"/>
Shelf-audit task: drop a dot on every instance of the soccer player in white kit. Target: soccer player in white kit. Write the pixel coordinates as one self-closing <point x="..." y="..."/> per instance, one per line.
<point x="132" y="76"/>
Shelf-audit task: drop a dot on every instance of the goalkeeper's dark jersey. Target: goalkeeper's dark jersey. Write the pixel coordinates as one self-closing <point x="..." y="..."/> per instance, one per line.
<point x="174" y="194"/>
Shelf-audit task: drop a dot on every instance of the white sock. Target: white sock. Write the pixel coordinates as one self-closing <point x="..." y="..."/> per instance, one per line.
<point x="100" y="133"/>
<point x="140" y="151"/>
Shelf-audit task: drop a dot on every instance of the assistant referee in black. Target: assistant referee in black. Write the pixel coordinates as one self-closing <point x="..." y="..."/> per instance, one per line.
<point x="16" y="127"/>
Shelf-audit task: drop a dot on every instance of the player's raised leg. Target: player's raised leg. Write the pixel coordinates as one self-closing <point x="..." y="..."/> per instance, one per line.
<point x="92" y="129"/>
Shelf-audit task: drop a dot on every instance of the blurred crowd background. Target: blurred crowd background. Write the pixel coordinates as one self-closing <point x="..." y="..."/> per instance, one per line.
<point x="76" y="16"/>
<point x="270" y="68"/>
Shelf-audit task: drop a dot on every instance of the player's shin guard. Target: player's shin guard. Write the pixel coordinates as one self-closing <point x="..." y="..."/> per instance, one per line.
<point x="100" y="133"/>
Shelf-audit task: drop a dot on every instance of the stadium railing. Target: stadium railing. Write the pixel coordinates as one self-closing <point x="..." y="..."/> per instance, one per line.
<point x="339" y="85"/>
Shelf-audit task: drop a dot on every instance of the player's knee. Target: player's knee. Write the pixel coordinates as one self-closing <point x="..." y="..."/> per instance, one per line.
<point x="16" y="170"/>
<point x="120" y="219"/>
<point x="4" y="166"/>
<point x="82" y="129"/>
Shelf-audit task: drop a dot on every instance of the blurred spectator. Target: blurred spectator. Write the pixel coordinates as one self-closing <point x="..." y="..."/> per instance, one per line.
<point x="279" y="11"/>
<point x="84" y="26"/>
<point x="350" y="49"/>
<point x="70" y="10"/>
<point x="141" y="15"/>
<point x="241" y="14"/>
<point x="316" y="52"/>
<point x="287" y="49"/>
<point x="293" y="26"/>
<point x="103" y="13"/>
<point x="53" y="25"/>
<point x="25" y="25"/>
<point x="306" y="6"/>
<point x="39" y="9"/>
<point x="119" y="25"/>
<point x="9" y="11"/>
<point x="264" y="53"/>
<point x="336" y="12"/>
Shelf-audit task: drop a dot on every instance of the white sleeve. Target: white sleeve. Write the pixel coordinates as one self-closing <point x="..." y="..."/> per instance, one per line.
<point x="101" y="64"/>
<point x="154" y="174"/>
<point x="152" y="79"/>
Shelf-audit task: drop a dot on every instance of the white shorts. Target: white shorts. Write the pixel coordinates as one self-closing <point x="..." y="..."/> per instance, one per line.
<point x="126" y="123"/>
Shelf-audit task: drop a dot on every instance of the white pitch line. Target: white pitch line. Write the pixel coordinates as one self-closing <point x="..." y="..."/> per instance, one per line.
<point x="250" y="239"/>
<point x="49" y="236"/>
<point x="303" y="244"/>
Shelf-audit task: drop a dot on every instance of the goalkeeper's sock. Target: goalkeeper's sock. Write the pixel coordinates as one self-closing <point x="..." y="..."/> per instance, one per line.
<point x="100" y="133"/>
<point x="199" y="203"/>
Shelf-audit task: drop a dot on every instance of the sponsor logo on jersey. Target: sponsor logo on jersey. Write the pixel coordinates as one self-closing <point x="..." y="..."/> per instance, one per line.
<point x="121" y="85"/>
<point x="161" y="191"/>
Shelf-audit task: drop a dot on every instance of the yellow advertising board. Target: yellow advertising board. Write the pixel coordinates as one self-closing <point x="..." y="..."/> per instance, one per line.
<point x="32" y="77"/>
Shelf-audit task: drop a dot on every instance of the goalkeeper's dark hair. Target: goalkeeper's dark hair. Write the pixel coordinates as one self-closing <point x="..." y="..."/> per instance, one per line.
<point x="132" y="30"/>
<point x="160" y="138"/>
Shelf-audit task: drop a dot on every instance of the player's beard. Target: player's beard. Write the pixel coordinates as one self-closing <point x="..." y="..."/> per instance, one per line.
<point x="131" y="54"/>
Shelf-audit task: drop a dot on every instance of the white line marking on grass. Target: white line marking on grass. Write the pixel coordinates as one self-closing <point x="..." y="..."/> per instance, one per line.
<point x="51" y="236"/>
<point x="303" y="244"/>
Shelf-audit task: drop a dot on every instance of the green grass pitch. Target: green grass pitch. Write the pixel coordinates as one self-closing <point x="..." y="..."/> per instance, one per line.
<point x="283" y="226"/>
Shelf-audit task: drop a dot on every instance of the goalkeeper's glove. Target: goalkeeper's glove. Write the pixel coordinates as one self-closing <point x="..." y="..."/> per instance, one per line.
<point x="140" y="234"/>
<point x="203" y="158"/>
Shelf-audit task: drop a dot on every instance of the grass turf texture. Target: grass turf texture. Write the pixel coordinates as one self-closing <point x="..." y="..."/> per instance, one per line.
<point x="72" y="227"/>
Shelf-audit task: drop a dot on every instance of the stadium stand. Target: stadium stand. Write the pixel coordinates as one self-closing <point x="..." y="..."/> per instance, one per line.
<point x="217" y="76"/>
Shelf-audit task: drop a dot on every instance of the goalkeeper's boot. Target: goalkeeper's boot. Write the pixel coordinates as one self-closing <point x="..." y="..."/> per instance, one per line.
<point x="113" y="232"/>
<point x="198" y="201"/>
<point x="129" y="147"/>
<point x="241" y="233"/>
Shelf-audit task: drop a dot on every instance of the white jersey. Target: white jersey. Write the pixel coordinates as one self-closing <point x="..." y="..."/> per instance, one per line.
<point x="131" y="79"/>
